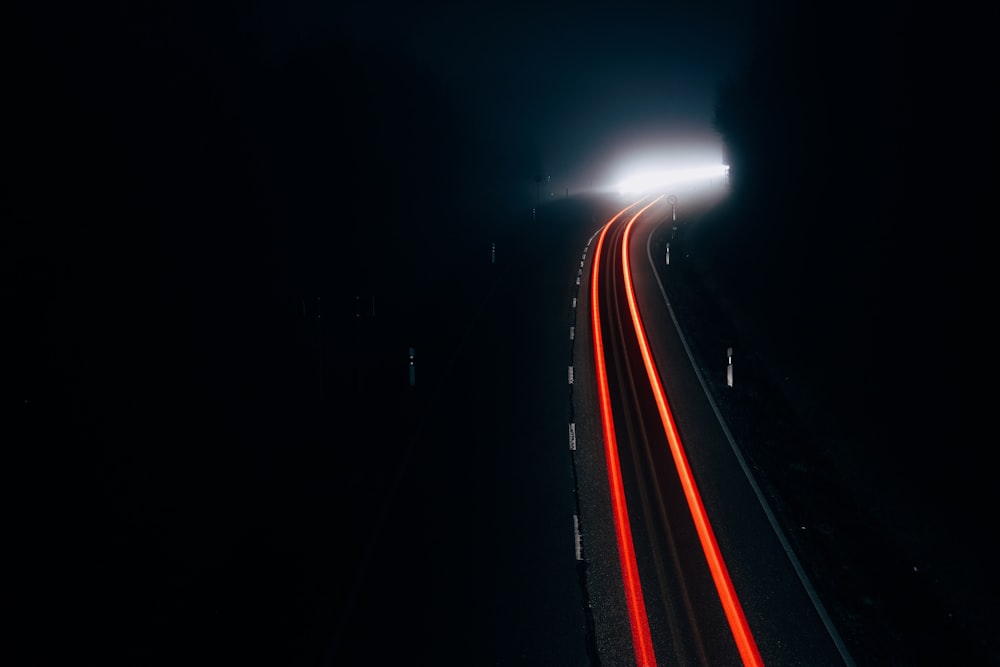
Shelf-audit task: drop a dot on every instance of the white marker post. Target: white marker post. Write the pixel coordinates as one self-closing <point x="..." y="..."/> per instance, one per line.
<point x="729" y="367"/>
<point x="668" y="254"/>
<point x="413" y="379"/>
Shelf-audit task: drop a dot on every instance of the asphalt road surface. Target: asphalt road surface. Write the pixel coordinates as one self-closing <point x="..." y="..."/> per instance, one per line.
<point x="687" y="621"/>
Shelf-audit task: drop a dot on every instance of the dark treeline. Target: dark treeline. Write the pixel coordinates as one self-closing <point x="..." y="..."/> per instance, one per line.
<point x="857" y="136"/>
<point x="190" y="189"/>
<point x="814" y="129"/>
<point x="859" y="171"/>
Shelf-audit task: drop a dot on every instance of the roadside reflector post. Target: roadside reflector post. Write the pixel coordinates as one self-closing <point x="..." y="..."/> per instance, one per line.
<point x="729" y="367"/>
<point x="668" y="254"/>
<point x="493" y="253"/>
<point x="413" y="379"/>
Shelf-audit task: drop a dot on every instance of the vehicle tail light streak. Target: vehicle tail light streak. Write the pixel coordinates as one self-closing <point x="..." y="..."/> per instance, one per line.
<point x="641" y="638"/>
<point x="735" y="617"/>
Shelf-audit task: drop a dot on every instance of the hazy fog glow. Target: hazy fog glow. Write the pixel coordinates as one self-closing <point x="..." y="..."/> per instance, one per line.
<point x="657" y="179"/>
<point x="657" y="161"/>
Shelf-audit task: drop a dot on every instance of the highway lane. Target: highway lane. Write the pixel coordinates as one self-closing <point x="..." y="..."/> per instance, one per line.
<point x="688" y="624"/>
<point x="682" y="612"/>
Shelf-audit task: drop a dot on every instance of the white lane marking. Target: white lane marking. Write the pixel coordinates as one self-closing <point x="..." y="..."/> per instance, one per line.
<point x="574" y="302"/>
<point x="571" y="375"/>
<point x="578" y="280"/>
<point x="572" y="333"/>
<point x="572" y="436"/>
<point x="576" y="537"/>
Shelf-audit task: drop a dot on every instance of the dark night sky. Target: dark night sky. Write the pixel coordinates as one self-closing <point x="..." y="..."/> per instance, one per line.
<point x="568" y="84"/>
<point x="577" y="80"/>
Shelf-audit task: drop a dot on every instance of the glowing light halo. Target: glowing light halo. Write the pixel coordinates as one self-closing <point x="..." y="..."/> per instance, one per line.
<point x="651" y="180"/>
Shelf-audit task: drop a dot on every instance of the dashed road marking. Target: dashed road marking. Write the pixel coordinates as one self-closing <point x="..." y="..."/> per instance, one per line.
<point x="576" y="537"/>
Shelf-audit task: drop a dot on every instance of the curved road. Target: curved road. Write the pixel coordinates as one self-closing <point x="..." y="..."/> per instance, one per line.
<point x="705" y="575"/>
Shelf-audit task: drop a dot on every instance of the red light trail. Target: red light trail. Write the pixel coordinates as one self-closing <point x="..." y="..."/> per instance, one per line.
<point x="720" y="574"/>
<point x="638" y="620"/>
<point x="642" y="640"/>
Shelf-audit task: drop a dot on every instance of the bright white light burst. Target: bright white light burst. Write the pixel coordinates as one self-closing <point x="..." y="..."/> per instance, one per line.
<point x="654" y="180"/>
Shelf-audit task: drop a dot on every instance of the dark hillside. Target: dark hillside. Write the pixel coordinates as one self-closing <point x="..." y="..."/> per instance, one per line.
<point x="219" y="254"/>
<point x="853" y="249"/>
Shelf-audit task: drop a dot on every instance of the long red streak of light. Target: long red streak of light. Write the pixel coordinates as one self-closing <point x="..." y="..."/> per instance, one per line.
<point x="642" y="640"/>
<point x="720" y="574"/>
